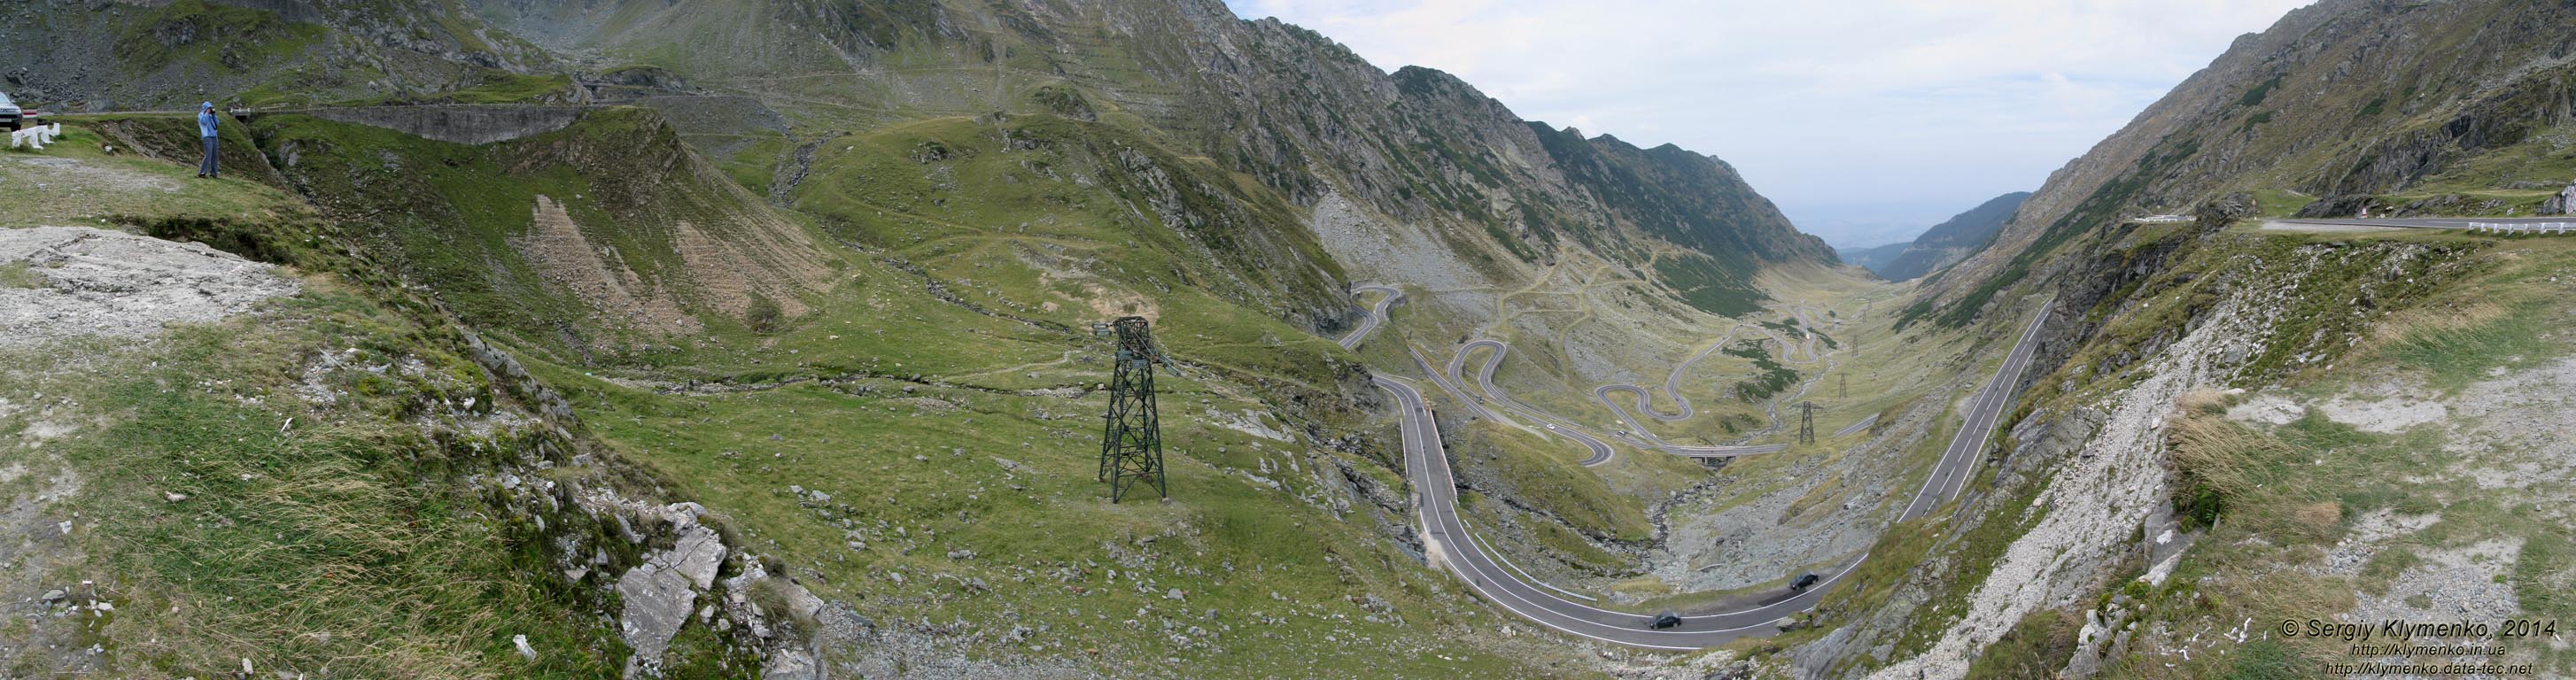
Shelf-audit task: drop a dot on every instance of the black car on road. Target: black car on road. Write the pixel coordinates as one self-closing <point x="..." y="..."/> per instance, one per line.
<point x="1803" y="582"/>
<point x="1665" y="620"/>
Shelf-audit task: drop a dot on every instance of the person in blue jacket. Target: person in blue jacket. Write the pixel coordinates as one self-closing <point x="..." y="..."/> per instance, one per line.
<point x="206" y="130"/>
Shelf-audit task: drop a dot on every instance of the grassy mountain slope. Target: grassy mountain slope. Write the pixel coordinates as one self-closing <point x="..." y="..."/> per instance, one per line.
<point x="604" y="237"/>
<point x="834" y="292"/>
<point x="1953" y="239"/>
<point x="2337" y="98"/>
<point x="169" y="56"/>
<point x="1871" y="257"/>
<point x="1697" y="202"/>
<point x="896" y="440"/>
<point x="2191" y="452"/>
<point x="309" y="486"/>
<point x="1418" y="149"/>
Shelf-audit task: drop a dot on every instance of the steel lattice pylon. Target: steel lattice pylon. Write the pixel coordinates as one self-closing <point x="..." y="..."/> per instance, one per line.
<point x="1131" y="436"/>
<point x="1807" y="422"/>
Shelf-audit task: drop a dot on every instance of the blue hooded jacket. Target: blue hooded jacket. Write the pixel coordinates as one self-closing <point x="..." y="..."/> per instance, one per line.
<point x="206" y="119"/>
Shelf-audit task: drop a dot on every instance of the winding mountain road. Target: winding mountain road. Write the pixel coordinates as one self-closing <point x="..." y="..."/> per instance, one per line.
<point x="1951" y="473"/>
<point x="1672" y="386"/>
<point x="1855" y="427"/>
<point x="1376" y="315"/>
<point x="1601" y="451"/>
<point x="2433" y="222"/>
<point x="1447" y="542"/>
<point x="1637" y="434"/>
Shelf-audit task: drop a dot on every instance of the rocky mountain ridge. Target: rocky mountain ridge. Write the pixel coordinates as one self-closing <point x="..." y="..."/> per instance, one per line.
<point x="1418" y="151"/>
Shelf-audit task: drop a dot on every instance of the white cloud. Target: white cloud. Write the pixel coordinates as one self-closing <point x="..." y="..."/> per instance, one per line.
<point x="1843" y="112"/>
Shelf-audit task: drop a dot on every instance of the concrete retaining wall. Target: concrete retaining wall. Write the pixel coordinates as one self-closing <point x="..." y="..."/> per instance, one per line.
<point x="298" y="11"/>
<point x="458" y="123"/>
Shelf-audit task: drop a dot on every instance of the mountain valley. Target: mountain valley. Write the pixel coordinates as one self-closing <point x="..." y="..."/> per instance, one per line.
<point x="755" y="338"/>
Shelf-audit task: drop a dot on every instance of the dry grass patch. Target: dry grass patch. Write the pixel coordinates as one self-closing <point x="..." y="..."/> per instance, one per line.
<point x="2254" y="479"/>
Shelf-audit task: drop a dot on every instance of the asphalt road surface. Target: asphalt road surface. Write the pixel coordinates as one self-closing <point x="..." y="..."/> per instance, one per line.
<point x="1951" y="474"/>
<point x="1376" y="315"/>
<point x="1637" y="434"/>
<point x="1855" y="427"/>
<point x="1448" y="543"/>
<point x="1672" y="388"/>
<point x="2426" y="222"/>
<point x="1601" y="451"/>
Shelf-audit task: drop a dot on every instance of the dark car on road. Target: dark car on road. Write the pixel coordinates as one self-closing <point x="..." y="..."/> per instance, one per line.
<point x="10" y="114"/>
<point x="1665" y="620"/>
<point x="1803" y="582"/>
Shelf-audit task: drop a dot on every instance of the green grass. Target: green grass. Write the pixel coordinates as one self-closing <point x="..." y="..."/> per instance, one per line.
<point x="346" y="522"/>
<point x="1546" y="474"/>
<point x="920" y="473"/>
<point x="2266" y="660"/>
<point x="2455" y="357"/>
<point x="2279" y="202"/>
<point x="19" y="275"/>
<point x="2036" y="647"/>
<point x="212" y="36"/>
<point x="446" y="216"/>
<point x="952" y="196"/>
<point x="442" y="215"/>
<point x="1769" y="377"/>
<point x="2539" y="577"/>
<point x="1708" y="285"/>
<point x="2536" y="158"/>
<point x="495" y="86"/>
<point x="166" y="186"/>
<point x="2273" y="498"/>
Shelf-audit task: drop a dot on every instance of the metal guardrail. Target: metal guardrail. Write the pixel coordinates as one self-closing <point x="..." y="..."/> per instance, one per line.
<point x="2523" y="227"/>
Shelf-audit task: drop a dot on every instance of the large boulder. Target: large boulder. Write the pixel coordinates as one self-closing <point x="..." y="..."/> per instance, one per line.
<point x="2337" y="206"/>
<point x="2562" y="204"/>
<point x="2224" y="209"/>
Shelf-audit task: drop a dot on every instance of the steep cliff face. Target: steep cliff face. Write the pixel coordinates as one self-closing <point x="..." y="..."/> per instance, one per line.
<point x="2395" y="101"/>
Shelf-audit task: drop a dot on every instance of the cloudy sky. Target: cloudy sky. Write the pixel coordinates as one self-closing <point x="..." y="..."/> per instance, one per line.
<point x="1866" y="120"/>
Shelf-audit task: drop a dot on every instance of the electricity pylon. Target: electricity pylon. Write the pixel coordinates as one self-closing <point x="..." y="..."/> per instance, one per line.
<point x="1131" y="438"/>
<point x="1807" y="422"/>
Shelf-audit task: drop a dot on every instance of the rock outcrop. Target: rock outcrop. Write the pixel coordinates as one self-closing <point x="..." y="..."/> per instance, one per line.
<point x="59" y="282"/>
<point x="2562" y="204"/>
